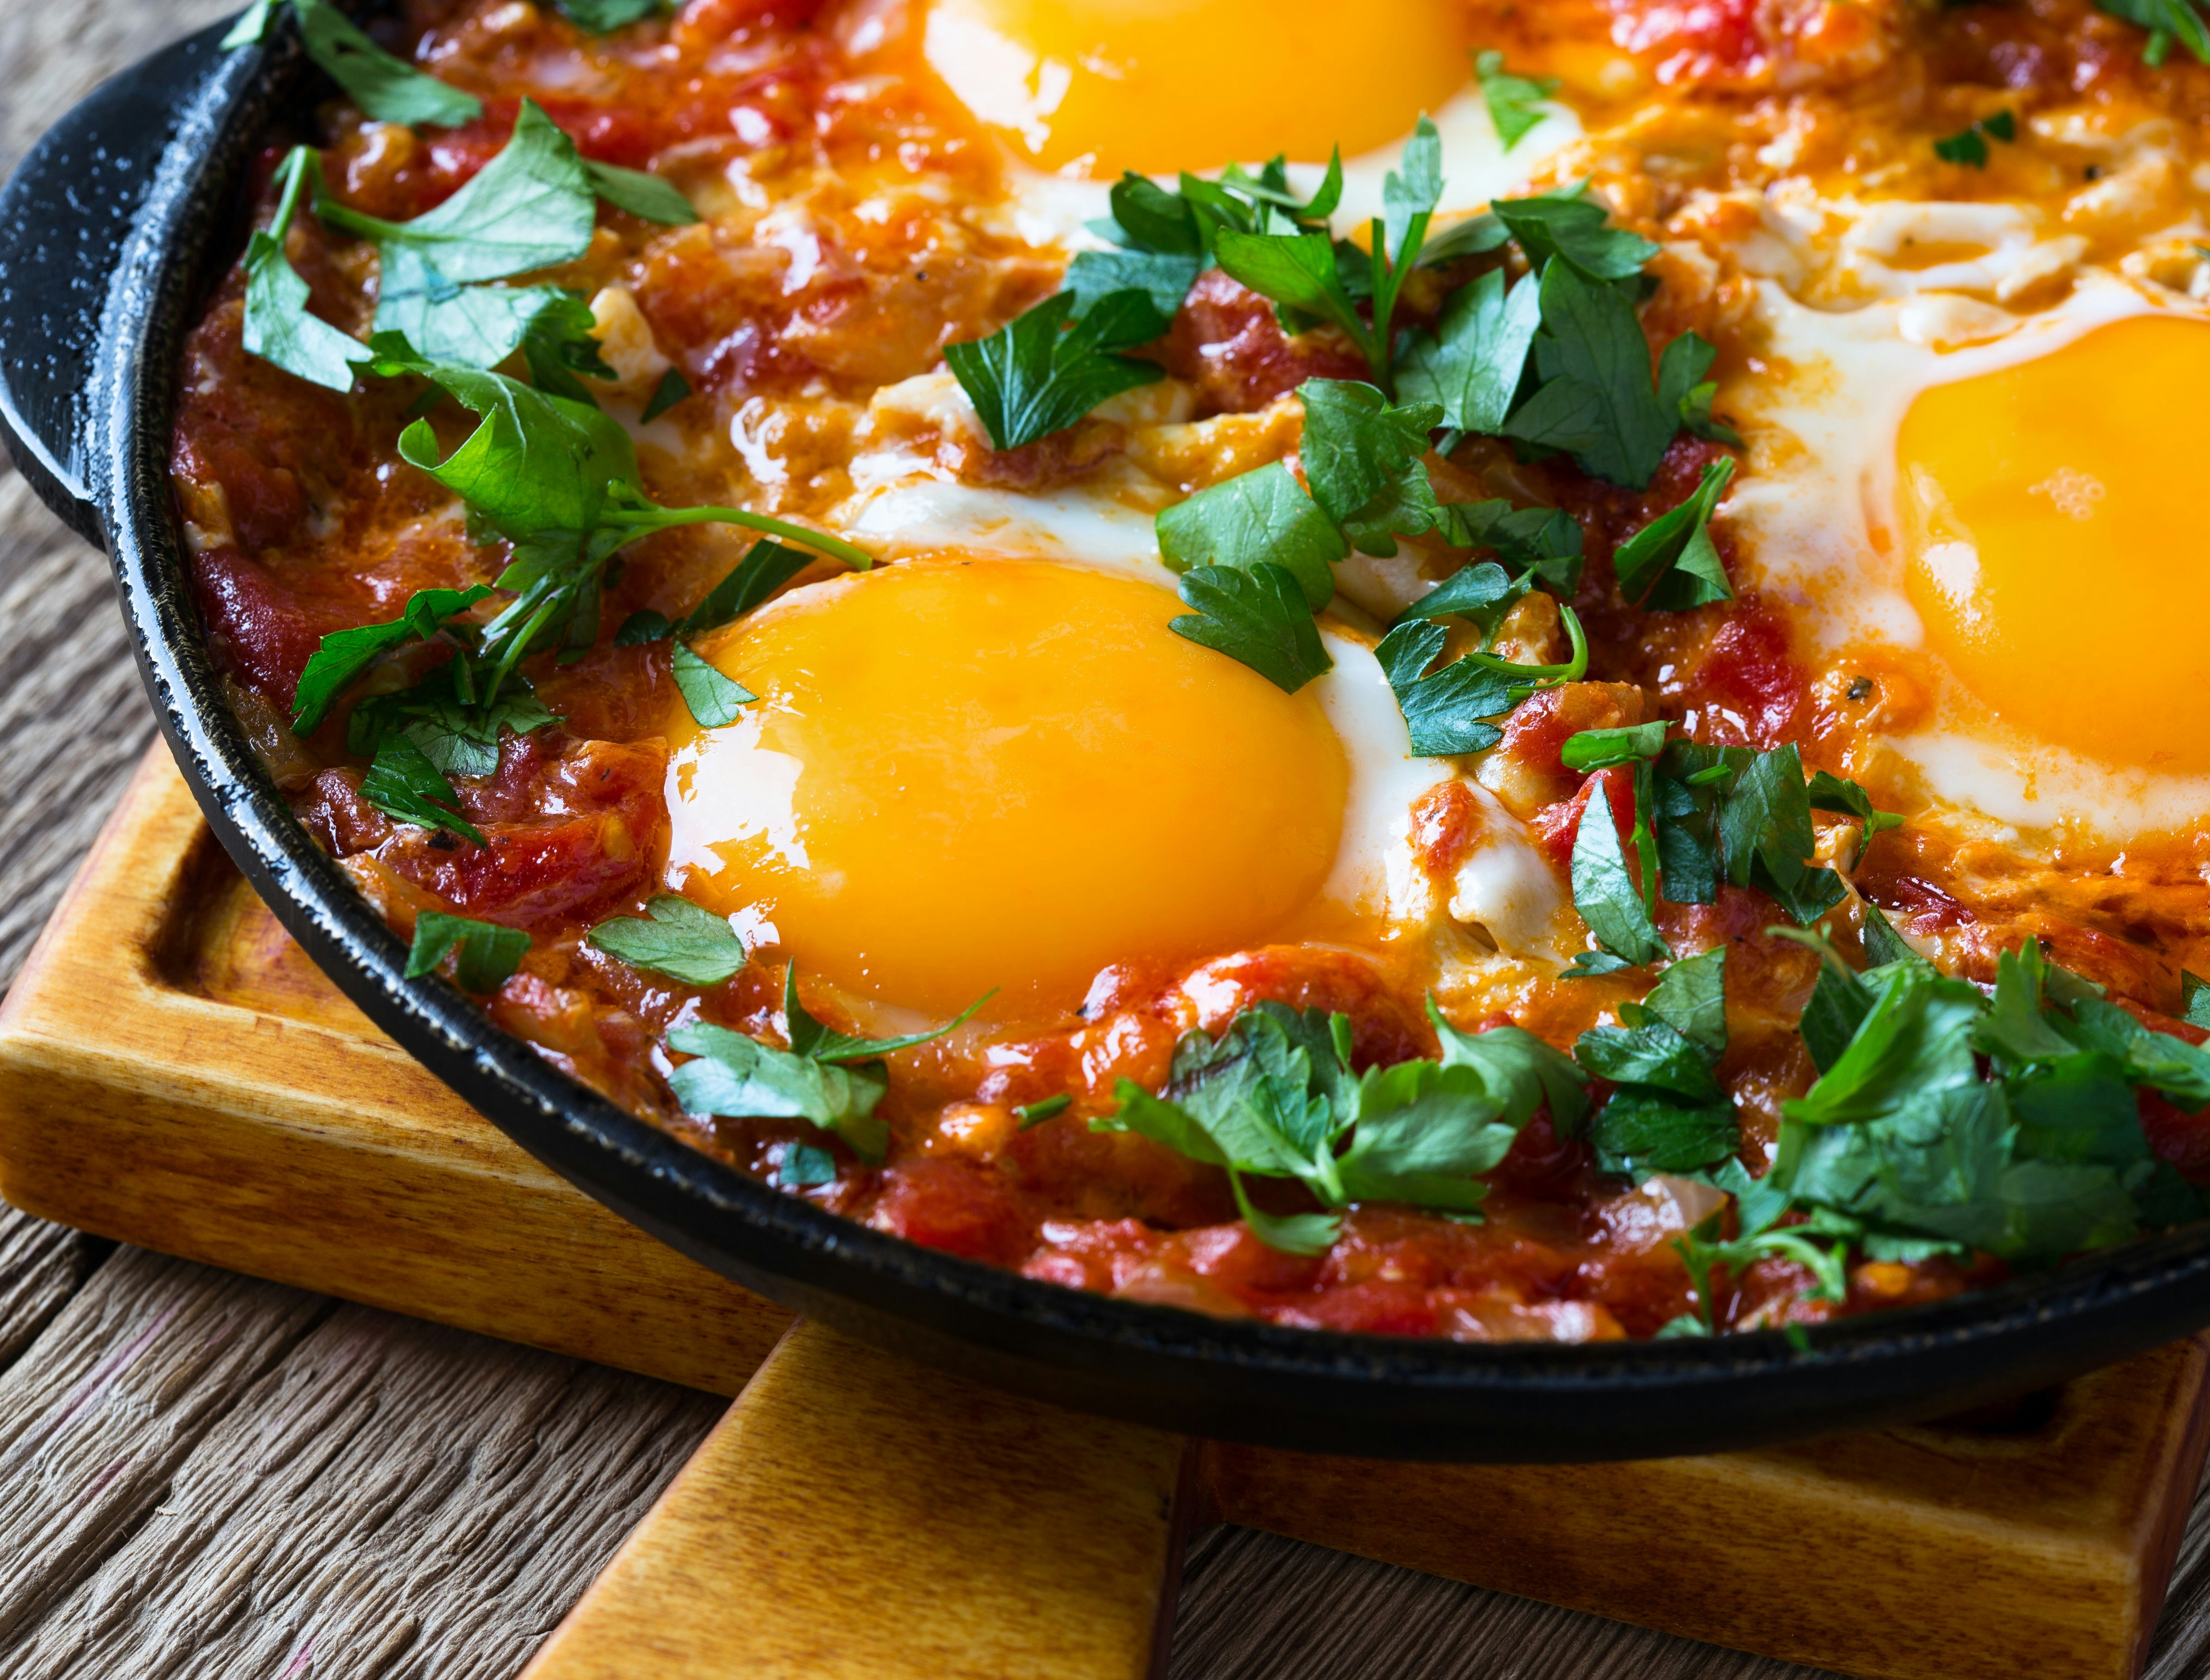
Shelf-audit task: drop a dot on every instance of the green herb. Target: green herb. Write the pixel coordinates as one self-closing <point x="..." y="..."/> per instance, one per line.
<point x="1882" y="944"/>
<point x="1472" y="363"/>
<point x="1703" y="1257"/>
<point x="278" y="326"/>
<point x="2194" y="1000"/>
<point x="1032" y="1115"/>
<point x="1600" y="749"/>
<point x="1258" y="617"/>
<point x="671" y="389"/>
<point x="488" y="953"/>
<point x="643" y="195"/>
<point x="1164" y="277"/>
<point x="1522" y="1072"/>
<point x="682" y="940"/>
<point x="602" y="17"/>
<point x="712" y="698"/>
<point x="1969" y="146"/>
<point x="2166" y="21"/>
<point x="808" y="1037"/>
<point x="1616" y="910"/>
<point x="801" y="1166"/>
<point x="1275" y="1096"/>
<point x="1669" y="1113"/>
<point x="1577" y="231"/>
<point x="732" y="1075"/>
<point x="408" y="788"/>
<point x="387" y="88"/>
<point x="1543" y="542"/>
<point x="1047" y="370"/>
<point x="345" y="654"/>
<point x="1482" y="594"/>
<point x="641" y="626"/>
<point x="1847" y="799"/>
<point x="559" y="479"/>
<point x="1683" y="390"/>
<point x="558" y="341"/>
<point x="1447" y="712"/>
<point x="1670" y="565"/>
<point x="450" y="717"/>
<point x="1362" y="458"/>
<point x="1512" y="100"/>
<point x="1256" y="518"/>
<point x="766" y="568"/>
<point x="1302" y="272"/>
<point x="1598" y="401"/>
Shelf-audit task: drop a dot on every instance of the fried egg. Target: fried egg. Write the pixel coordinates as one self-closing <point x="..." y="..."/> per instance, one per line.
<point x="1992" y="507"/>
<point x="1078" y="93"/>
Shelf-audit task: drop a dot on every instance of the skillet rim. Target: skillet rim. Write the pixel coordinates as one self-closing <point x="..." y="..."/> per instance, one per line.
<point x="1238" y="1380"/>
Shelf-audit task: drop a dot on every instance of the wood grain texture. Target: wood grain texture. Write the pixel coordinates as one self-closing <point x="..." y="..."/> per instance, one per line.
<point x="41" y="1267"/>
<point x="343" y="1492"/>
<point x="859" y="1517"/>
<point x="292" y="1140"/>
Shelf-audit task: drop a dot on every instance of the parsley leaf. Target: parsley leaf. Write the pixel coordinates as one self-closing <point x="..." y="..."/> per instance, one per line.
<point x="602" y="17"/>
<point x="1033" y="1115"/>
<point x="1164" y="277"/>
<point x="450" y="717"/>
<point x="1040" y="374"/>
<point x="1523" y="1073"/>
<point x="1545" y="542"/>
<point x="1511" y="100"/>
<point x="671" y="389"/>
<point x="278" y="327"/>
<point x="1670" y="565"/>
<point x="2166" y="21"/>
<point x="739" y="1077"/>
<point x="407" y="787"/>
<point x="1598" y="401"/>
<point x="808" y="1037"/>
<point x="682" y="940"/>
<point x="1683" y="390"/>
<point x="1274" y="1097"/>
<point x="1604" y="892"/>
<point x="344" y="655"/>
<point x="2194" y="999"/>
<point x="1473" y="361"/>
<point x="1669" y="1113"/>
<point x="1845" y="798"/>
<point x="1969" y="146"/>
<point x="1257" y="616"/>
<point x="558" y="341"/>
<point x="1362" y="457"/>
<point x="387" y="88"/>
<point x="643" y="195"/>
<point x="712" y="698"/>
<point x="1445" y="712"/>
<point x="1259" y="517"/>
<point x="766" y="568"/>
<point x="489" y="954"/>
<point x="1482" y="594"/>
<point x="1577" y="231"/>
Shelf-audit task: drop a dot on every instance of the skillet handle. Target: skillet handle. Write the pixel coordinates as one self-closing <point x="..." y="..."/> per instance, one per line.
<point x="64" y="217"/>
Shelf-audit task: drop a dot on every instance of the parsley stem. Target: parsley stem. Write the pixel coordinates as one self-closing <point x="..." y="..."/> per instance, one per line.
<point x="296" y="168"/>
<point x="1545" y="676"/>
<point x="854" y="556"/>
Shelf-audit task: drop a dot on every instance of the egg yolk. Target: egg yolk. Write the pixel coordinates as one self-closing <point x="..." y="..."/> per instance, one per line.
<point x="2052" y="512"/>
<point x="961" y="775"/>
<point x="1162" y="85"/>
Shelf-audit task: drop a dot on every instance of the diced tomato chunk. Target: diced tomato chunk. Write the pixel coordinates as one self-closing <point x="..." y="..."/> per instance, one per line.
<point x="951" y="1205"/>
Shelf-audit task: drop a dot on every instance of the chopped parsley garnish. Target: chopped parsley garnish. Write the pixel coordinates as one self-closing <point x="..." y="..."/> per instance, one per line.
<point x="278" y="326"/>
<point x="2194" y="1000"/>
<point x="1514" y="101"/>
<point x="1361" y="459"/>
<point x="488" y="954"/>
<point x="682" y="940"/>
<point x="1669" y="564"/>
<point x="1275" y="1096"/>
<point x="345" y="654"/>
<point x="2166" y="21"/>
<point x="1668" y="1114"/>
<point x="603" y="16"/>
<point x="1049" y="368"/>
<point x="714" y="700"/>
<point x="1847" y="799"/>
<point x="1257" y="616"/>
<point x="387" y="88"/>
<point x="671" y="389"/>
<point x="1449" y="710"/>
<point x="404" y="785"/>
<point x="1256" y="518"/>
<point x="450" y="717"/>
<point x="766" y="568"/>
<point x="827" y="1079"/>
<point x="1702" y="815"/>
<point x="1031" y="1114"/>
<point x="1969" y="146"/>
<point x="1474" y="360"/>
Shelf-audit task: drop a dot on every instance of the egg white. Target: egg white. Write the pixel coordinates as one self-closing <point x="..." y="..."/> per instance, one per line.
<point x="1814" y="518"/>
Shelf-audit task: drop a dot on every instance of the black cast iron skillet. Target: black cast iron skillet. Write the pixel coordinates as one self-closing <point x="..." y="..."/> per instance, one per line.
<point x="111" y="235"/>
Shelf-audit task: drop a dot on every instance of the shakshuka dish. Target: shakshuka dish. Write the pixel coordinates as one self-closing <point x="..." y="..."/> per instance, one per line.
<point x="1443" y="667"/>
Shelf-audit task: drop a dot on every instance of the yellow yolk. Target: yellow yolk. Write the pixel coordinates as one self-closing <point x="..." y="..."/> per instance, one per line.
<point x="961" y="775"/>
<point x="1163" y="85"/>
<point x="2053" y="513"/>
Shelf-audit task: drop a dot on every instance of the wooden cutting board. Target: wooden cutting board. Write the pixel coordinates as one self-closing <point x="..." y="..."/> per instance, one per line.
<point x="174" y="1073"/>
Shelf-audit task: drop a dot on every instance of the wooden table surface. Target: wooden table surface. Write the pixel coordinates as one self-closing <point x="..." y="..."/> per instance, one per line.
<point x="203" y="1475"/>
